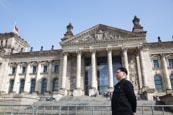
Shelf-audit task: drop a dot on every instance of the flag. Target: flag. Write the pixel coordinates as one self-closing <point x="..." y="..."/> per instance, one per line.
<point x="15" y="30"/>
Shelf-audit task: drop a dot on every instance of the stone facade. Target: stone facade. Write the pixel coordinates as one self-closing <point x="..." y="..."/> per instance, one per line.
<point x="86" y="64"/>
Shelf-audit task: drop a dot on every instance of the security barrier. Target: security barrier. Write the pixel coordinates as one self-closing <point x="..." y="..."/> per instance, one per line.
<point x="79" y="110"/>
<point x="15" y="109"/>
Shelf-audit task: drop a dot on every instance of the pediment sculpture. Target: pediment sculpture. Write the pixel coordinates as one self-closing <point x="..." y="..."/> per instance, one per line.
<point x="99" y="36"/>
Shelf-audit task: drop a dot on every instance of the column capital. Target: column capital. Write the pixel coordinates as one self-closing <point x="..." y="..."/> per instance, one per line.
<point x="163" y="55"/>
<point x="124" y="48"/>
<point x="92" y="49"/>
<point x="109" y="48"/>
<point x="137" y="51"/>
<point x="65" y="53"/>
<point x="79" y="51"/>
<point x="139" y="48"/>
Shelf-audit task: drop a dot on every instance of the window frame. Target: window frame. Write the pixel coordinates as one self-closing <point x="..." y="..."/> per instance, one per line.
<point x="11" y="86"/>
<point x="55" y="85"/>
<point x="156" y="65"/>
<point x="24" y="70"/>
<point x="43" y="85"/>
<point x="171" y="81"/>
<point x="34" y="69"/>
<point x="32" y="87"/>
<point x="45" y="68"/>
<point x="13" y="70"/>
<point x="56" y="68"/>
<point x="170" y="64"/>
<point x="22" y="86"/>
<point x="158" y="83"/>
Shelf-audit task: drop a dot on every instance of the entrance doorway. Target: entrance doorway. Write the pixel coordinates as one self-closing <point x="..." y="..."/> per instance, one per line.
<point x="102" y="73"/>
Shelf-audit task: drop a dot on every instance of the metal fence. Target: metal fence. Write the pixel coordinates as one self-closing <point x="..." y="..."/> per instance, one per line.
<point x="79" y="110"/>
<point x="16" y="109"/>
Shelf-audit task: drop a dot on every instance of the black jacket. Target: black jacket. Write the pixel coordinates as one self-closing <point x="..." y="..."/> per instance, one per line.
<point x="123" y="99"/>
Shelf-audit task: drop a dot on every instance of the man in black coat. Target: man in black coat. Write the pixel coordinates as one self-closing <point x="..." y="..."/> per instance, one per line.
<point x="123" y="99"/>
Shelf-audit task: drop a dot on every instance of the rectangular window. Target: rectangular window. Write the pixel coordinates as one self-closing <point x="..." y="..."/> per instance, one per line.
<point x="13" y="70"/>
<point x="56" y="68"/>
<point x="23" y="70"/>
<point x="44" y="68"/>
<point x="156" y="63"/>
<point x="22" y="84"/>
<point x="170" y="63"/>
<point x="11" y="86"/>
<point x="32" y="89"/>
<point x="34" y="69"/>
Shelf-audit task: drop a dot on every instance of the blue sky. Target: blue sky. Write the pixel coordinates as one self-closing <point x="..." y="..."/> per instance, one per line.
<point x="43" y="22"/>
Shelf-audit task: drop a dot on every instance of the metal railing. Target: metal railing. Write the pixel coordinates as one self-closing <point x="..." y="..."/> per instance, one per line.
<point x="79" y="110"/>
<point x="16" y="109"/>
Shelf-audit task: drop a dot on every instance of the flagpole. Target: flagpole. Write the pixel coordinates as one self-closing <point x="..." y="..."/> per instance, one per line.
<point x="14" y="24"/>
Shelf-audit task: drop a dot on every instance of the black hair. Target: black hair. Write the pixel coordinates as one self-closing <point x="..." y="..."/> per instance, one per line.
<point x="123" y="69"/>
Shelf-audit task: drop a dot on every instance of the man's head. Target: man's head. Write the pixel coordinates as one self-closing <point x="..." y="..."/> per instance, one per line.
<point x="121" y="72"/>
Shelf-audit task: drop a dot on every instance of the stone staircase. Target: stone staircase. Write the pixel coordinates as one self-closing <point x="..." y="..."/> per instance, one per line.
<point x="99" y="101"/>
<point x="88" y="101"/>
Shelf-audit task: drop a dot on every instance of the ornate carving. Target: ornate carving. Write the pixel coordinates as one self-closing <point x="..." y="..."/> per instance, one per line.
<point x="13" y="64"/>
<point x="99" y="36"/>
<point x="23" y="63"/>
<point x="34" y="63"/>
<point x="136" y="23"/>
<point x="101" y="33"/>
<point x="133" y="71"/>
<point x="44" y="63"/>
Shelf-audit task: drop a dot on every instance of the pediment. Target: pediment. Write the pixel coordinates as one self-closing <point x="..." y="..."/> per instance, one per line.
<point x="100" y="33"/>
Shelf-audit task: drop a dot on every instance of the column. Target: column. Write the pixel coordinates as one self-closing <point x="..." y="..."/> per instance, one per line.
<point x="93" y="67"/>
<point x="110" y="70"/>
<point x="165" y="75"/>
<point x="93" y="89"/>
<point x="64" y="74"/>
<point x="78" y="91"/>
<point x="38" y="79"/>
<point x="142" y="68"/>
<point x="139" y="71"/>
<point x="27" y="80"/>
<point x="17" y="80"/>
<point x="49" y="78"/>
<point x="78" y="76"/>
<point x="126" y="64"/>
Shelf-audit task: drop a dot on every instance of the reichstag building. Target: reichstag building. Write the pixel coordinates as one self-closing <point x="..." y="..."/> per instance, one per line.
<point x="86" y="63"/>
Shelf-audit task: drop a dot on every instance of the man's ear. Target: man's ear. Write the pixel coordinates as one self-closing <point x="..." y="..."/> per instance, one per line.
<point x="124" y="74"/>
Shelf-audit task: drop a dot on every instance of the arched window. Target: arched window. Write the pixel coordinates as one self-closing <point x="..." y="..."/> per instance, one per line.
<point x="22" y="84"/>
<point x="43" y="85"/>
<point x="11" y="86"/>
<point x="32" y="88"/>
<point x="55" y="84"/>
<point x="158" y="83"/>
<point x="171" y="79"/>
